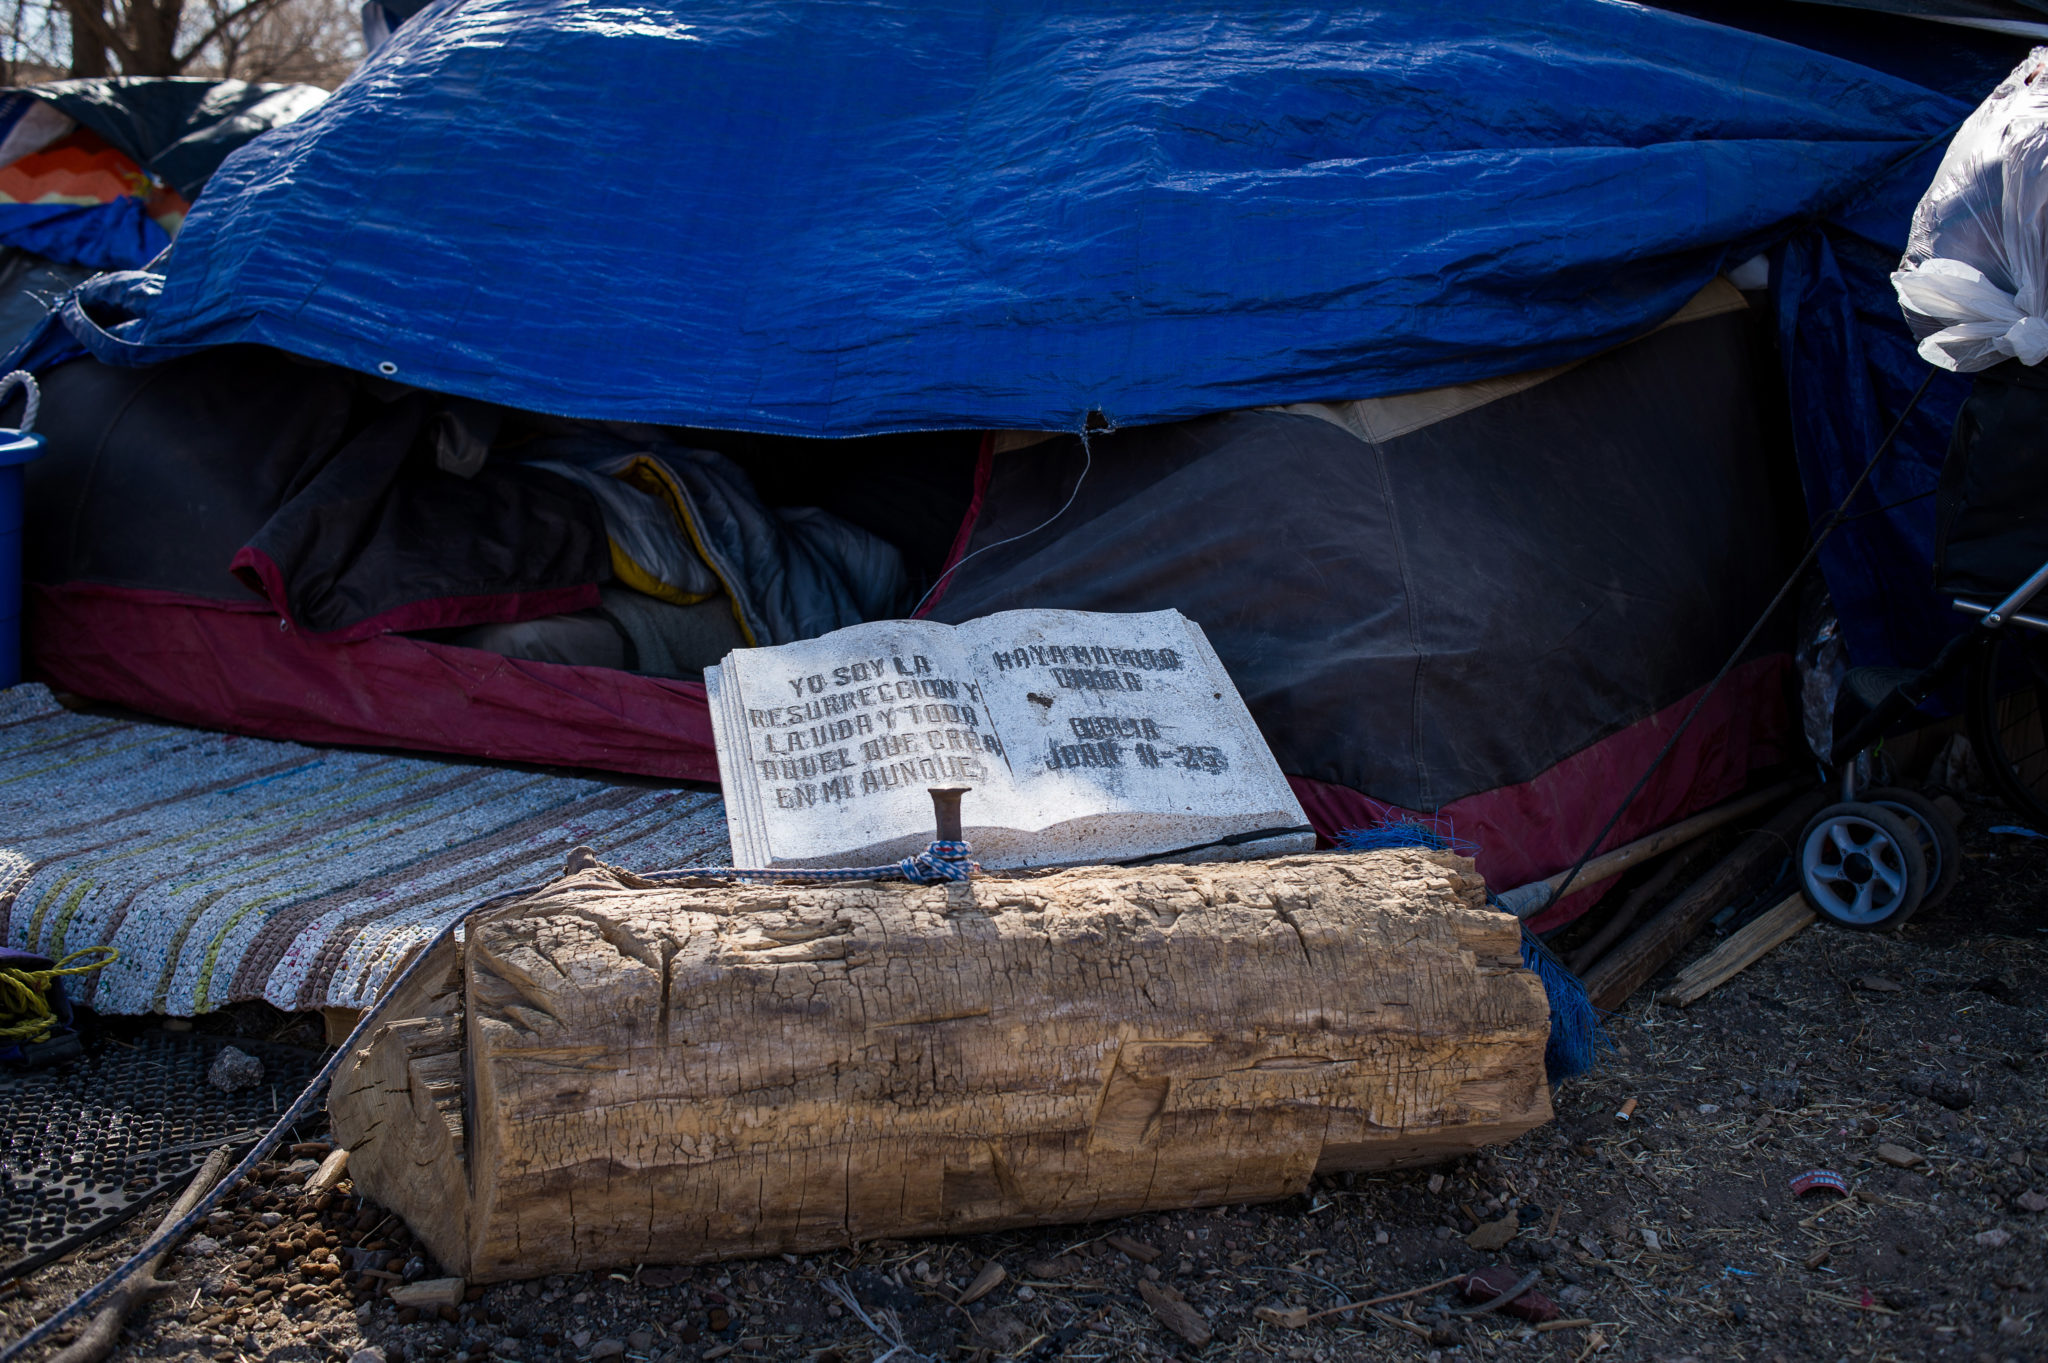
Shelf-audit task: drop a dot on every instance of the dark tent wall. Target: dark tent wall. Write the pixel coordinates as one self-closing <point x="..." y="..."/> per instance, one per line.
<point x="1441" y="601"/>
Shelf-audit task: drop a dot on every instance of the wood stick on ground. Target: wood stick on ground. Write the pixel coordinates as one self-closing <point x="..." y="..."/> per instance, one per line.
<point x="1383" y="1318"/>
<point x="1744" y="949"/>
<point x="1680" y="861"/>
<point x="1525" y="900"/>
<point x="1629" y="966"/>
<point x="99" y="1338"/>
<point x="1381" y="1301"/>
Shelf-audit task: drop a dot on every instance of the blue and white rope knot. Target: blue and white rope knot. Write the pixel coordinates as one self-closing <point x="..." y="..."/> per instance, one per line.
<point x="943" y="860"/>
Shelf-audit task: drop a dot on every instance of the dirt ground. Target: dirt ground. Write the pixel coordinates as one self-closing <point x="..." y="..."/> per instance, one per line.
<point x="1671" y="1235"/>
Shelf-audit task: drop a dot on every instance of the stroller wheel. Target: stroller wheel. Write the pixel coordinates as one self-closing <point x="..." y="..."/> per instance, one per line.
<point x="1938" y="841"/>
<point x="1862" y="866"/>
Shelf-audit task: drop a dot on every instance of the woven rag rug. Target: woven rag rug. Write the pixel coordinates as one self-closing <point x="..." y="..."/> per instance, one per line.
<point x="226" y="868"/>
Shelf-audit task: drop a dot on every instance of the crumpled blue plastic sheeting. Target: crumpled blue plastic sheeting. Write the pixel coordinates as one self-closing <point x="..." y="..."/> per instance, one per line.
<point x="116" y="235"/>
<point x="849" y="218"/>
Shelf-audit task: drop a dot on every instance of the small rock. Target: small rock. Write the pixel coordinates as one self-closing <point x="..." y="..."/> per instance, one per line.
<point x="1780" y="1093"/>
<point x="234" y="1070"/>
<point x="271" y="1220"/>
<point x="1995" y="1238"/>
<point x="1287" y="1318"/>
<point x="1709" y="1109"/>
<point x="1025" y="1293"/>
<point x="608" y="1348"/>
<point x="1650" y="1240"/>
<point x="1051" y="1269"/>
<point x="372" y="1354"/>
<point x="1952" y="1091"/>
<point x="1436" y="1184"/>
<point x="1493" y="1237"/>
<point x="201" y="1246"/>
<point x="1878" y="984"/>
<point x="581" y="1339"/>
<point x="506" y="1348"/>
<point x="1899" y="1157"/>
<point x="2032" y="1201"/>
<point x="640" y="1341"/>
<point x="1003" y="1331"/>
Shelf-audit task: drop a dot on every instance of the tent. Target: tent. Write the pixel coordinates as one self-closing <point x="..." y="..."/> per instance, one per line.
<point x="1390" y="344"/>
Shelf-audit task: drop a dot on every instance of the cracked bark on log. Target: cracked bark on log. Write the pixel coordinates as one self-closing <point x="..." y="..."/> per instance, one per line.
<point x="609" y="1074"/>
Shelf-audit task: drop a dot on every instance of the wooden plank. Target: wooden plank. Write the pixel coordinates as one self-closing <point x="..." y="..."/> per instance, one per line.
<point x="1642" y="954"/>
<point x="1743" y="949"/>
<point x="1525" y="901"/>
<point x="674" y="1074"/>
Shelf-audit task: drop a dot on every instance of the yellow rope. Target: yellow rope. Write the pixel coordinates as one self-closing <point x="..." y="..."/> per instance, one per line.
<point x="25" y="994"/>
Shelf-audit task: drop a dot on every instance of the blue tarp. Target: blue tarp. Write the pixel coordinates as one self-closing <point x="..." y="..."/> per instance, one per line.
<point x="832" y="219"/>
<point x="117" y="235"/>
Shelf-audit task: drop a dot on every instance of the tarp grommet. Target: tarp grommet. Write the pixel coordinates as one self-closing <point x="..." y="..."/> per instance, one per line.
<point x="386" y="368"/>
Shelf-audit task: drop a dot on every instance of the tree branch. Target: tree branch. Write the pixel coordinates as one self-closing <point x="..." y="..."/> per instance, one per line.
<point x="222" y="24"/>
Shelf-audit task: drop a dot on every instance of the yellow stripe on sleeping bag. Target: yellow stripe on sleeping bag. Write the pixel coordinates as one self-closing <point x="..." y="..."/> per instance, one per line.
<point x="626" y="570"/>
<point x="650" y="477"/>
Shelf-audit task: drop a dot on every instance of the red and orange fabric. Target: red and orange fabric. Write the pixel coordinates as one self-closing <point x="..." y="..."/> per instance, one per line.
<point x="81" y="168"/>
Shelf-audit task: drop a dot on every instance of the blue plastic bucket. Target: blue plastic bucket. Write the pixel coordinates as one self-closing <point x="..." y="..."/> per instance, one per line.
<point x="16" y="449"/>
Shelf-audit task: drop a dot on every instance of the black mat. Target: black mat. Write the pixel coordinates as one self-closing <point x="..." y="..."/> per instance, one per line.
<point x="84" y="1146"/>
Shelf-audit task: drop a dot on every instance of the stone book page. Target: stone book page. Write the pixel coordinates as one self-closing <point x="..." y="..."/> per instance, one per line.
<point x="1125" y="740"/>
<point x="1084" y="736"/>
<point x="827" y="747"/>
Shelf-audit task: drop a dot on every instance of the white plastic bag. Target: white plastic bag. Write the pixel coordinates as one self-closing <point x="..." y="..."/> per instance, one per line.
<point x="1974" y="280"/>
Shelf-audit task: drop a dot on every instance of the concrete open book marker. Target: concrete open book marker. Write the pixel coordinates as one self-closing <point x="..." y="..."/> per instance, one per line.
<point x="1085" y="737"/>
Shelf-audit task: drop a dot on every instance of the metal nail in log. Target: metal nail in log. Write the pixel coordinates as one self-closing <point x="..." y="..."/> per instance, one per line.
<point x="946" y="811"/>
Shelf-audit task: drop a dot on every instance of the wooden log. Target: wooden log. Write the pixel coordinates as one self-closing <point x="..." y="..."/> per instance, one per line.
<point x="1629" y="966"/>
<point x="1743" y="949"/>
<point x="610" y="1074"/>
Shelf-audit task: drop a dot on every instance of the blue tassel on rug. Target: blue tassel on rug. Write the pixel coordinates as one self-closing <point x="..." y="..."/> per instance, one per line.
<point x="1575" y="1033"/>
